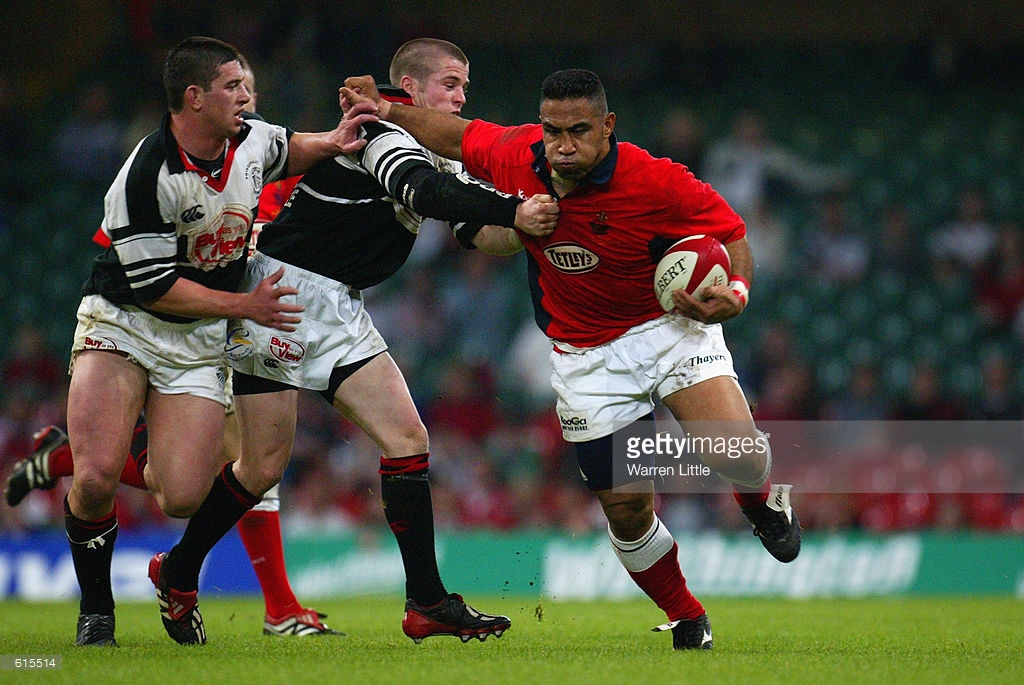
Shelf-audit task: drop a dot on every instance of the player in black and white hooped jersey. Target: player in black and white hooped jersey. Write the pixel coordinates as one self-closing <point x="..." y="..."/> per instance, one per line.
<point x="151" y="323"/>
<point x="260" y="528"/>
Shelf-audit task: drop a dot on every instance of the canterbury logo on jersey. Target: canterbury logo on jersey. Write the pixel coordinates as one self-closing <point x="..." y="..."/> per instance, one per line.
<point x="571" y="258"/>
<point x="194" y="213"/>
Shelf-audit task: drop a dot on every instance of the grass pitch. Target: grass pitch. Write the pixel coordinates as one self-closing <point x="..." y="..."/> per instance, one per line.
<point x="923" y="641"/>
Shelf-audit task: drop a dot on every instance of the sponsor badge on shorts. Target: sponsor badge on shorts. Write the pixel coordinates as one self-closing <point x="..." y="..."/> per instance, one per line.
<point x="239" y="345"/>
<point x="286" y="349"/>
<point x="573" y="422"/>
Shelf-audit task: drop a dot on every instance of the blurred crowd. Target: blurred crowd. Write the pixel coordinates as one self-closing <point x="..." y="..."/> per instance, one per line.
<point x="864" y="308"/>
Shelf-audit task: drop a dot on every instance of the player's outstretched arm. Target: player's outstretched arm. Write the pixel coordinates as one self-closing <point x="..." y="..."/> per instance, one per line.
<point x="437" y="131"/>
<point x="306" y="149"/>
<point x="400" y="164"/>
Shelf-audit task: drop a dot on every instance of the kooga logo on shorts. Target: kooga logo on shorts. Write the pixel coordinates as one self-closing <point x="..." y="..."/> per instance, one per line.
<point x="571" y="258"/>
<point x="573" y="424"/>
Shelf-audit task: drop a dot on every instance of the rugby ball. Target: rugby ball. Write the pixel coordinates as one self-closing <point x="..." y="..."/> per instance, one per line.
<point x="690" y="264"/>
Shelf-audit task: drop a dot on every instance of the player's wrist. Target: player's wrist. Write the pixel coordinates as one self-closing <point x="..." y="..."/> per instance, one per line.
<point x="740" y="287"/>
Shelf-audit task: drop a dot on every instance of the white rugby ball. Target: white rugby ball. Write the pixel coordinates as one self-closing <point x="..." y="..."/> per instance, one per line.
<point x="690" y="264"/>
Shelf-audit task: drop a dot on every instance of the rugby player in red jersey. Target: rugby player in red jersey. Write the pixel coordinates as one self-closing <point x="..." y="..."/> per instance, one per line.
<point x="614" y="348"/>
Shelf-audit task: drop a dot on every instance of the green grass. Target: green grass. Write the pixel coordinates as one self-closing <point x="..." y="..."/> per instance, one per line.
<point x="921" y="641"/>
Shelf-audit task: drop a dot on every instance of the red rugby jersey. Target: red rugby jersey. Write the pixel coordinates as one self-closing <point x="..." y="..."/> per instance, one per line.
<point x="273" y="197"/>
<point x="593" y="278"/>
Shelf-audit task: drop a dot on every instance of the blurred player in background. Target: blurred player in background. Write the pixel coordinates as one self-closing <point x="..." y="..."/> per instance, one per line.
<point x="351" y="224"/>
<point x="260" y="528"/>
<point x="615" y="349"/>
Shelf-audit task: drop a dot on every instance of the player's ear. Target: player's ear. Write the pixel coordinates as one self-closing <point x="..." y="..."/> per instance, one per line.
<point x="194" y="98"/>
<point x="409" y="85"/>
<point x="609" y="123"/>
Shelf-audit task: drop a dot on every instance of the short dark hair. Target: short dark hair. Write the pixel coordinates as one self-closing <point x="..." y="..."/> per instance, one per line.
<point x="415" y="58"/>
<point x="194" y="61"/>
<point x="574" y="84"/>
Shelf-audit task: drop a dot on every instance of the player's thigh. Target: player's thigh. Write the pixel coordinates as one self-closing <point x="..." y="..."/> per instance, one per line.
<point x="105" y="396"/>
<point x="717" y="409"/>
<point x="266" y="422"/>
<point x="719" y="398"/>
<point x="186" y="435"/>
<point x="376" y="398"/>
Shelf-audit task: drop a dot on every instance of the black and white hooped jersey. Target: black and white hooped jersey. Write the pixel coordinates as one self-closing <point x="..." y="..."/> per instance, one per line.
<point x="354" y="218"/>
<point x="168" y="218"/>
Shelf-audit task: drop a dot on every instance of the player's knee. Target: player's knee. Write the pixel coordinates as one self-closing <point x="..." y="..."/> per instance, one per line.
<point x="408" y="438"/>
<point x="259" y="473"/>
<point x="629" y="517"/>
<point x="178" y="505"/>
<point x="95" y="485"/>
<point x="265" y="476"/>
<point x="721" y="444"/>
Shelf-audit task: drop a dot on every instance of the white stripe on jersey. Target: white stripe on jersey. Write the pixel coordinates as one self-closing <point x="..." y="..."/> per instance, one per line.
<point x="385" y="153"/>
<point x="342" y="200"/>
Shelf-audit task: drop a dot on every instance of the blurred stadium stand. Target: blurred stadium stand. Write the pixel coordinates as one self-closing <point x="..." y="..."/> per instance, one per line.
<point x="917" y="101"/>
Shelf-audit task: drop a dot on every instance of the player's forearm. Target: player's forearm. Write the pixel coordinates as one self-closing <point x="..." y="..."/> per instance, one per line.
<point x="455" y="197"/>
<point x="741" y="259"/>
<point x="190" y="299"/>
<point x="439" y="132"/>
<point x="307" y="149"/>
<point x="498" y="240"/>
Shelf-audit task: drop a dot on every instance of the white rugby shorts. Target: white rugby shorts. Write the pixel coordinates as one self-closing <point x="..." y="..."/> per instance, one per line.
<point x="179" y="358"/>
<point x="602" y="389"/>
<point x="336" y="330"/>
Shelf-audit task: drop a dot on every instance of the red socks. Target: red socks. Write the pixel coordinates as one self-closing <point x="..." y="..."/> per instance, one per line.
<point x="665" y="584"/>
<point x="62" y="464"/>
<point x="653" y="564"/>
<point x="748" y="499"/>
<point x="261" y="534"/>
